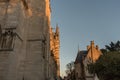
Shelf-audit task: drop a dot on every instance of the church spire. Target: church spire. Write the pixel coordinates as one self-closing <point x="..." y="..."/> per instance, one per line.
<point x="78" y="48"/>
<point x="57" y="29"/>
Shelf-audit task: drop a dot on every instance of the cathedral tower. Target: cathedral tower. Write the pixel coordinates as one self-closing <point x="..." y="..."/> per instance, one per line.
<point x="25" y="39"/>
<point x="55" y="46"/>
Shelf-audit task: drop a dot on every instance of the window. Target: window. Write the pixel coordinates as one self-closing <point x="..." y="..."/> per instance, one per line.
<point x="7" y="38"/>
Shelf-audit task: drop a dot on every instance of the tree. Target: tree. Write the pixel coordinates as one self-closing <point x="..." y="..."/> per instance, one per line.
<point x="113" y="46"/>
<point x="70" y="70"/>
<point x="107" y="67"/>
<point x="69" y="67"/>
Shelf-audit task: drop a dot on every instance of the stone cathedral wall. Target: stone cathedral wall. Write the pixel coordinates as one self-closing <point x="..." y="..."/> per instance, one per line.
<point x="12" y="58"/>
<point x="29" y="56"/>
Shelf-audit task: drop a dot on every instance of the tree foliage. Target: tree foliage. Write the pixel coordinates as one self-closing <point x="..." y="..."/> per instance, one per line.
<point x="69" y="67"/>
<point x="113" y="46"/>
<point x="70" y="70"/>
<point x="107" y="67"/>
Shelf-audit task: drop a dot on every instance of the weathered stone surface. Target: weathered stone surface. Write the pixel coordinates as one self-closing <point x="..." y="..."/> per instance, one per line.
<point x="30" y="58"/>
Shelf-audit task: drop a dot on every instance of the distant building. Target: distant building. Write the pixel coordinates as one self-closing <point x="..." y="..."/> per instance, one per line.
<point x="29" y="49"/>
<point x="84" y="58"/>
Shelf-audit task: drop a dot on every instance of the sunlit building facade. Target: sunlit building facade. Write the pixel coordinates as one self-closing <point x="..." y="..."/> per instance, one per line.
<point x="25" y="41"/>
<point x="85" y="57"/>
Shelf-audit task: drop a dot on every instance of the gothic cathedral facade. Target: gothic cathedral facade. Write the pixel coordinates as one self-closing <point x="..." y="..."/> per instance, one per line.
<point x="29" y="48"/>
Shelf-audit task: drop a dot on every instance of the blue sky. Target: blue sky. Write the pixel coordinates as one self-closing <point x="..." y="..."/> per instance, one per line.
<point x="81" y="21"/>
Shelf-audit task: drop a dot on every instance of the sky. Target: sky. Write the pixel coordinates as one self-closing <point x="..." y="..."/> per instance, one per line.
<point x="81" y="21"/>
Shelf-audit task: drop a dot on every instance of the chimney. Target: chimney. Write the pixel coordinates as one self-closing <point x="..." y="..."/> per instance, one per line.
<point x="97" y="47"/>
<point x="92" y="43"/>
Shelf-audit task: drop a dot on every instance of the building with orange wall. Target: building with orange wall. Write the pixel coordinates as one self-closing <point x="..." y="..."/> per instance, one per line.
<point x="85" y="57"/>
